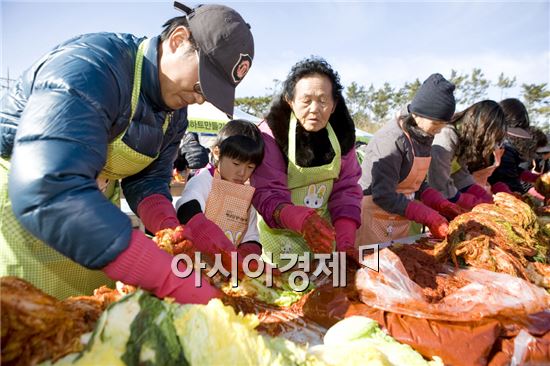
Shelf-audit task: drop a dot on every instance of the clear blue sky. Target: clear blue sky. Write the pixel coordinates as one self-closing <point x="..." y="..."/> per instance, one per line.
<point x="367" y="42"/>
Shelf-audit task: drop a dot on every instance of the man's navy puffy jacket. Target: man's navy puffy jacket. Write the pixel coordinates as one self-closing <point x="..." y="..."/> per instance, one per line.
<point x="55" y="127"/>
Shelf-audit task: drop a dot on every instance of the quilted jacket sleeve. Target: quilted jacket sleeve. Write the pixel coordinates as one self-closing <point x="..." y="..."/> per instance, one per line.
<point x="61" y="145"/>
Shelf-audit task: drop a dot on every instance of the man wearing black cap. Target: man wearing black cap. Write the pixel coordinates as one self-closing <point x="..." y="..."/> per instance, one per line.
<point x="396" y="164"/>
<point x="97" y="110"/>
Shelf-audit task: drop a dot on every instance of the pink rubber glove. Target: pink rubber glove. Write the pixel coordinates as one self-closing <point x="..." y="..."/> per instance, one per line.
<point x="528" y="177"/>
<point x="434" y="199"/>
<point x="143" y="264"/>
<point x="209" y="239"/>
<point x="207" y="236"/>
<point x="500" y="187"/>
<point x="157" y="213"/>
<point x="418" y="212"/>
<point x="345" y="233"/>
<point x="533" y="192"/>
<point x="480" y="193"/>
<point x="467" y="201"/>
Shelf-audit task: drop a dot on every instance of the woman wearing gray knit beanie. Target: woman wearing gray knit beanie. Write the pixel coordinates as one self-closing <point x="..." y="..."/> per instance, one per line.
<point x="396" y="164"/>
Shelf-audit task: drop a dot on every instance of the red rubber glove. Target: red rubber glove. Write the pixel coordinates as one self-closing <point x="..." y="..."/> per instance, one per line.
<point x="467" y="201"/>
<point x="528" y="176"/>
<point x="317" y="231"/>
<point x="345" y="237"/>
<point x="434" y="199"/>
<point x="293" y="217"/>
<point x="481" y="193"/>
<point x="450" y="210"/>
<point x="209" y="239"/>
<point x="247" y="248"/>
<point x="500" y="187"/>
<point x="143" y="264"/>
<point x="157" y="213"/>
<point x="418" y="212"/>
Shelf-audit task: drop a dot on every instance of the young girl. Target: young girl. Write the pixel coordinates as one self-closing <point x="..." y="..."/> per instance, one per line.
<point x="395" y="166"/>
<point x="215" y="206"/>
<point x="466" y="152"/>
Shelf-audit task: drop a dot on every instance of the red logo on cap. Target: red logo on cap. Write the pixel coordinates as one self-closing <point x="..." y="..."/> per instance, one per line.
<point x="241" y="68"/>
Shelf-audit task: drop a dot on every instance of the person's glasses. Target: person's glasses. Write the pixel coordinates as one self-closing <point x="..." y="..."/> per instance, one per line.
<point x="197" y="88"/>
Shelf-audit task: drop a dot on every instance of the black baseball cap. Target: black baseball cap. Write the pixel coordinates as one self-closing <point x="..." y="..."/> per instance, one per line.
<point x="226" y="50"/>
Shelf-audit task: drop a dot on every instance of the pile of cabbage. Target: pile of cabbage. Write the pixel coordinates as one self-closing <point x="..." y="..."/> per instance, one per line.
<point x="140" y="329"/>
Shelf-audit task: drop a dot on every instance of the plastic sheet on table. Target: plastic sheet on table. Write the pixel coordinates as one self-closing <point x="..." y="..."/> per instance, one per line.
<point x="487" y="293"/>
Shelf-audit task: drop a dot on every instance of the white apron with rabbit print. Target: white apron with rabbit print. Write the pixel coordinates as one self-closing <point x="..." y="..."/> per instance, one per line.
<point x="309" y="187"/>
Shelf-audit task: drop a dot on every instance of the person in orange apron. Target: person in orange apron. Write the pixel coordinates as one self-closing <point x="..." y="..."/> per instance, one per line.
<point x="395" y="168"/>
<point x="466" y="152"/>
<point x="99" y="109"/>
<point x="511" y="176"/>
<point x="306" y="187"/>
<point x="216" y="204"/>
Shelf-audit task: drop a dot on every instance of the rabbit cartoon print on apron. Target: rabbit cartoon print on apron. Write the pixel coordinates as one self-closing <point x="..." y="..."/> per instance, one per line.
<point x="315" y="198"/>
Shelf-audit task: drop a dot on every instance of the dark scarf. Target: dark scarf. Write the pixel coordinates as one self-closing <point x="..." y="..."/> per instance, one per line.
<point x="418" y="135"/>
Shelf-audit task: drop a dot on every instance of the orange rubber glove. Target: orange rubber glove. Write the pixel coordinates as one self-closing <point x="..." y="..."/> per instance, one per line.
<point x="317" y="231"/>
<point x="319" y="234"/>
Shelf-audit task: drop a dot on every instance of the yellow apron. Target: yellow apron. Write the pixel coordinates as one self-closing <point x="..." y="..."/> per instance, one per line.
<point x="228" y="205"/>
<point x="309" y="187"/>
<point x="378" y="225"/>
<point x="23" y="255"/>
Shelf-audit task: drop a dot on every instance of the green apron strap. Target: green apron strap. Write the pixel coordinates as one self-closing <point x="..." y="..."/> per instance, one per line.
<point x="138" y="68"/>
<point x="122" y="161"/>
<point x="136" y="88"/>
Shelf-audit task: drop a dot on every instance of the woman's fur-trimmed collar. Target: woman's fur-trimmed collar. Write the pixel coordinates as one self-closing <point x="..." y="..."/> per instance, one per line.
<point x="313" y="148"/>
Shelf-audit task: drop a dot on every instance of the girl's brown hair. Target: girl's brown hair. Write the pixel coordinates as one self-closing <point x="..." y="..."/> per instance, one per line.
<point x="481" y="128"/>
